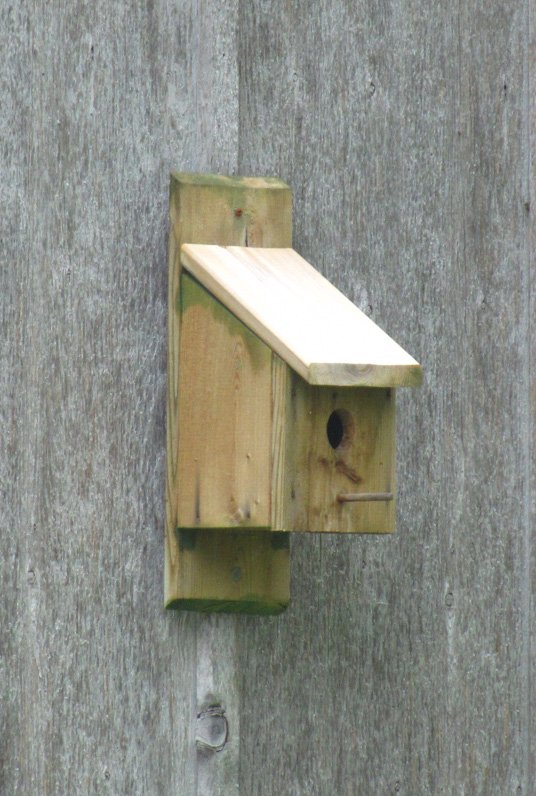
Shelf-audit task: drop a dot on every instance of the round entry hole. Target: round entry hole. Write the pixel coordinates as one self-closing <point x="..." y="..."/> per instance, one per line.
<point x="339" y="429"/>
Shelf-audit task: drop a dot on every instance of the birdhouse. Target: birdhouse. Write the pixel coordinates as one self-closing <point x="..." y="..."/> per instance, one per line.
<point x="286" y="400"/>
<point x="287" y="404"/>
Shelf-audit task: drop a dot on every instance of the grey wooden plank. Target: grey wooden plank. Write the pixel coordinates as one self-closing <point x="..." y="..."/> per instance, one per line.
<point x="530" y="438"/>
<point x="216" y="87"/>
<point x="216" y="117"/>
<point x="487" y="627"/>
<point x="99" y="102"/>
<point x="402" y="664"/>
<point x="13" y="338"/>
<point x="218" y="686"/>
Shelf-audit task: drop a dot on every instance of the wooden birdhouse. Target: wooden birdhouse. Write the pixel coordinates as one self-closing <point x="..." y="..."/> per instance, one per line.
<point x="286" y="400"/>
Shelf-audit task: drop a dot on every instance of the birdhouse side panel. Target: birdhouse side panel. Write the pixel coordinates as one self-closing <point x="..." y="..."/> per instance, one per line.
<point x="225" y="376"/>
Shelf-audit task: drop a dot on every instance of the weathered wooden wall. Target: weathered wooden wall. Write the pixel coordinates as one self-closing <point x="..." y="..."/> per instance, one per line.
<point x="404" y="663"/>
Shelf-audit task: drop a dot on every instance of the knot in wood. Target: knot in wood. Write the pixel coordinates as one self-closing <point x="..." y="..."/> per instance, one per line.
<point x="212" y="729"/>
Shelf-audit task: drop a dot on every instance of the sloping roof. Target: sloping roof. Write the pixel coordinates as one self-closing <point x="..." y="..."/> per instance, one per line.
<point x="301" y="316"/>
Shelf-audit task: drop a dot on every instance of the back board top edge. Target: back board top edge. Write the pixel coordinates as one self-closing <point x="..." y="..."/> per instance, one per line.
<point x="222" y="181"/>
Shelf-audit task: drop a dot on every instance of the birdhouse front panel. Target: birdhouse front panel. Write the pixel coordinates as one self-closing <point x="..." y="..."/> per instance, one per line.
<point x="340" y="459"/>
<point x="224" y="451"/>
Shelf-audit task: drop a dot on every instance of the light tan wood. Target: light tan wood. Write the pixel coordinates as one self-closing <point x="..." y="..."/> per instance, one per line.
<point x="280" y="420"/>
<point x="316" y="473"/>
<point x="225" y="417"/>
<point x="234" y="571"/>
<point x="219" y="210"/>
<point x="301" y="316"/>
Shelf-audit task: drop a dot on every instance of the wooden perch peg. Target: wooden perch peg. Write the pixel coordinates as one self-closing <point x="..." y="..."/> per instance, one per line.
<point x="356" y="497"/>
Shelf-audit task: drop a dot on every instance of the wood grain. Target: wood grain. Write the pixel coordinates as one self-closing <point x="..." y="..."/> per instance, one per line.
<point x="225" y="414"/>
<point x="97" y="682"/>
<point x="404" y="130"/>
<point x="317" y="473"/>
<point x="405" y="663"/>
<point x="220" y="569"/>
<point x="301" y="316"/>
<point x="99" y="102"/>
<point x="280" y="427"/>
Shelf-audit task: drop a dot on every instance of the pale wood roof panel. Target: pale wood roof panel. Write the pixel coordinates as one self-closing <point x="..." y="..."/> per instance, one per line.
<point x="301" y="316"/>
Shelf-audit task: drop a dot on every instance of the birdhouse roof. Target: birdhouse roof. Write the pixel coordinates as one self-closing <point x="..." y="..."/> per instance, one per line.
<point x="301" y="316"/>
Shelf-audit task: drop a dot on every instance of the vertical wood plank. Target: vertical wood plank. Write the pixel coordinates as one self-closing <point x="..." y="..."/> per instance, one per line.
<point x="407" y="132"/>
<point x="240" y="210"/>
<point x="529" y="255"/>
<point x="215" y="82"/>
<point x="97" y="682"/>
<point x="280" y="492"/>
<point x="224" y="210"/>
<point x="218" y="690"/>
<point x="400" y="128"/>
